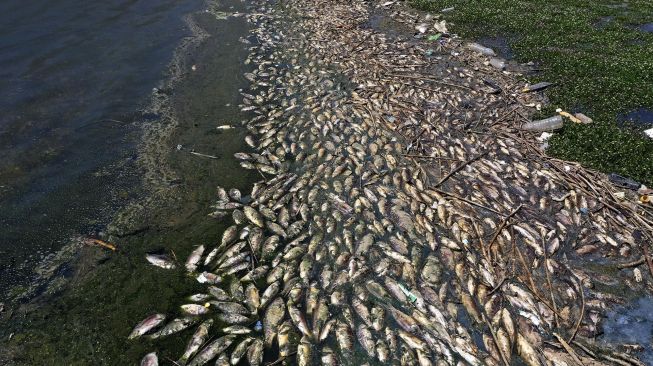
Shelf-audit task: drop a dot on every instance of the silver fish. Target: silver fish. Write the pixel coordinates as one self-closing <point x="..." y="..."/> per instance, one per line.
<point x="146" y="325"/>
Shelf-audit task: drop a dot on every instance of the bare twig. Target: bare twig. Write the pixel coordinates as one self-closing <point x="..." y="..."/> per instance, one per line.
<point x="459" y="167"/>
<point x="582" y="312"/>
<point x="569" y="350"/>
<point x="503" y="224"/>
<point x="634" y="263"/>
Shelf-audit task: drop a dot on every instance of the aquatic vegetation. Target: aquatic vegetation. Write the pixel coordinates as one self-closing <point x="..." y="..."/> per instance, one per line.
<point x="598" y="56"/>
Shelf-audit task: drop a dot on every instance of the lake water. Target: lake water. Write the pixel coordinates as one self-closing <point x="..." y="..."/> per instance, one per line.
<point x="74" y="76"/>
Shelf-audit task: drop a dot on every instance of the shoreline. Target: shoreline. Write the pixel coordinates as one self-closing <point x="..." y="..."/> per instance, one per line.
<point x="172" y="214"/>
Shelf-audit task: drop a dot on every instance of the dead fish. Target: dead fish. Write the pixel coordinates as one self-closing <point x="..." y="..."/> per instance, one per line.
<point x="162" y="261"/>
<point x="270" y="293"/>
<point x="197" y="340"/>
<point x="405" y="321"/>
<point x="298" y="319"/>
<point x="252" y="299"/>
<point x="213" y="349"/>
<point x="382" y="351"/>
<point x="344" y="337"/>
<point x="255" y="353"/>
<point x="229" y="307"/>
<point x="255" y="274"/>
<point x="176" y="325"/>
<point x="365" y="339"/>
<point x="328" y="357"/>
<point x="240" y="350"/>
<point x="218" y="293"/>
<point x="195" y="309"/>
<point x="208" y="277"/>
<point x="146" y="325"/>
<point x="304" y="352"/>
<point x="222" y="360"/>
<point x="229" y="236"/>
<point x="150" y="359"/>
<point x="412" y="341"/>
<point x="237" y="329"/>
<point x="254" y="216"/>
<point x="194" y="258"/>
<point x="361" y="310"/>
<point x="234" y="318"/>
<point x="274" y="314"/>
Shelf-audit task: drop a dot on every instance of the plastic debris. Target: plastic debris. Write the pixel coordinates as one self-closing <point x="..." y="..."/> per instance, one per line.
<point x="498" y="63"/>
<point x="225" y="127"/>
<point x="441" y="26"/>
<point x="623" y="182"/>
<point x="411" y="297"/>
<point x="99" y="242"/>
<point x="496" y="89"/>
<point x="537" y="87"/>
<point x="547" y="124"/>
<point x="620" y="195"/>
<point x="481" y="49"/>
<point x="644" y="190"/>
<point x="447" y="10"/>
<point x="544" y="136"/>
<point x="422" y="28"/>
<point x="568" y="115"/>
<point x="434" y="37"/>
<point x="649" y="132"/>
<point x="583" y="118"/>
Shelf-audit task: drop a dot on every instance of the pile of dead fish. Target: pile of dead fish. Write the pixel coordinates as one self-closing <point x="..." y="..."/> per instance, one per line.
<point x="383" y="232"/>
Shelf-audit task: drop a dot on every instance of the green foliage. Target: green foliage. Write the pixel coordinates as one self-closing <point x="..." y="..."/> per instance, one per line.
<point x="602" y="62"/>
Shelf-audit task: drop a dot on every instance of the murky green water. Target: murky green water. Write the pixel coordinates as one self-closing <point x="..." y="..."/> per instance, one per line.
<point x="108" y="293"/>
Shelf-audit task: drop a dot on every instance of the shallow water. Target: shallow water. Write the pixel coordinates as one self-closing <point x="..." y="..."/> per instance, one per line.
<point x="107" y="293"/>
<point x="500" y="45"/>
<point x="640" y="117"/>
<point x="632" y="324"/>
<point x="73" y="76"/>
<point x="648" y="27"/>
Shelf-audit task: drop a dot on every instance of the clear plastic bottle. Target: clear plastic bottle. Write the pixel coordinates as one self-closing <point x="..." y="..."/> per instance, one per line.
<point x="547" y="124"/>
<point x="481" y="49"/>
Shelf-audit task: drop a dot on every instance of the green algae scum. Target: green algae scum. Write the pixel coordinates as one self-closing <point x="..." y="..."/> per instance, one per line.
<point x="598" y="52"/>
<point x="87" y="322"/>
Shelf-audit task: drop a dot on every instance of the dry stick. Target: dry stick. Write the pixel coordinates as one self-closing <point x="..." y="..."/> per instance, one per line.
<point x="428" y="157"/>
<point x="173" y="361"/>
<point x="632" y="264"/>
<point x="430" y="80"/>
<point x="480" y="242"/>
<point x="648" y="258"/>
<point x="503" y="224"/>
<point x="498" y="286"/>
<point x="548" y="281"/>
<point x="468" y="201"/>
<point x="582" y="311"/>
<point x="530" y="280"/>
<point x="280" y="359"/>
<point x="569" y="350"/>
<point x="458" y="168"/>
<point x="494" y="337"/>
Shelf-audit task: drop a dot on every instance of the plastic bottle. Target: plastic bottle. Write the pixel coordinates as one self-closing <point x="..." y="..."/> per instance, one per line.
<point x="481" y="49"/>
<point x="498" y="63"/>
<point x="547" y="124"/>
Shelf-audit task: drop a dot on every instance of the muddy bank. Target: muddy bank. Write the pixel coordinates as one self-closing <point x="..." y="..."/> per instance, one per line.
<point x="102" y="293"/>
